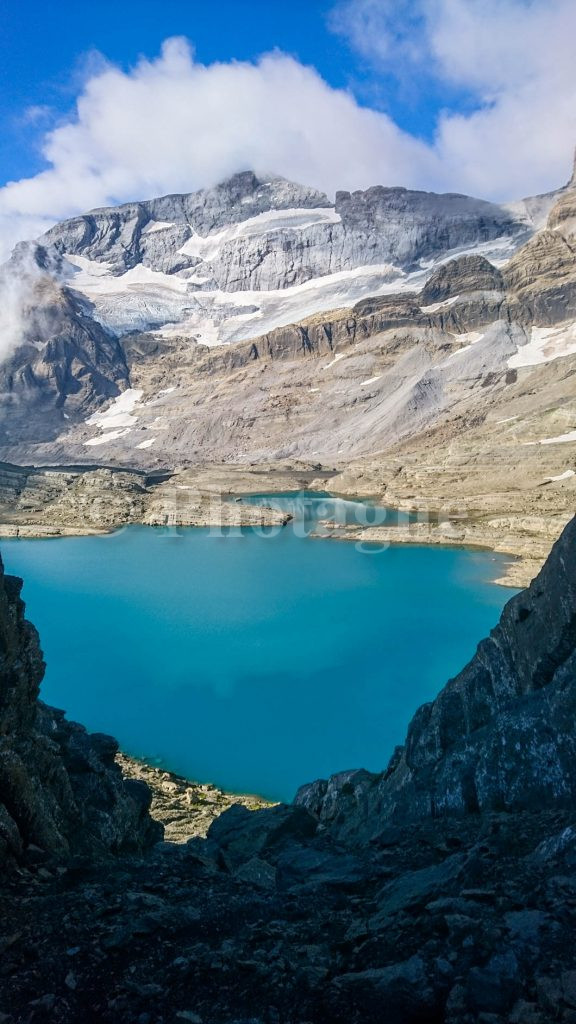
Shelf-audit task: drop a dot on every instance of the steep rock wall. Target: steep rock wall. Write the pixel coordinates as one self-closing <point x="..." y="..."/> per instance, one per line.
<point x="500" y="736"/>
<point x="60" y="789"/>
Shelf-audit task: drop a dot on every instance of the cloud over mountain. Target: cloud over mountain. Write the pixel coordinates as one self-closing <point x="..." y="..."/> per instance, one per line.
<point x="509" y="64"/>
<point x="172" y="124"/>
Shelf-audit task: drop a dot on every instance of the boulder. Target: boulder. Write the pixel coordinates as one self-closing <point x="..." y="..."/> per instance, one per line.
<point x="240" y="834"/>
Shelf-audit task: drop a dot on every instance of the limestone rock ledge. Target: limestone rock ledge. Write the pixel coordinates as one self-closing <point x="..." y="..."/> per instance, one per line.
<point x="61" y="793"/>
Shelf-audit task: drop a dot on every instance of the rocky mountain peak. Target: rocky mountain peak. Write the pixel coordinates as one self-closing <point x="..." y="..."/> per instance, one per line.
<point x="255" y="194"/>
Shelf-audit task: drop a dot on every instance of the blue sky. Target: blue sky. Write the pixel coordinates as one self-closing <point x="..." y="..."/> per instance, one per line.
<point x="46" y="49"/>
<point x="124" y="99"/>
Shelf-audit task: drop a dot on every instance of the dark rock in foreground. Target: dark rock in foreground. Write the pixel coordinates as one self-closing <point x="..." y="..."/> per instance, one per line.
<point x="60" y="789"/>
<point x="443" y="890"/>
<point x="500" y="736"/>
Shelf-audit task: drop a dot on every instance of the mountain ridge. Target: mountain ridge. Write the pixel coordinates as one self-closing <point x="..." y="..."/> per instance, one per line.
<point x="404" y="381"/>
<point x="374" y="227"/>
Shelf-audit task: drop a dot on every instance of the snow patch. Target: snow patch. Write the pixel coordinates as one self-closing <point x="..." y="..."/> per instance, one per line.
<point x="469" y="339"/>
<point x="371" y="380"/>
<point x="119" y="413"/>
<point x="157" y="225"/>
<point x="560" y="439"/>
<point x="146" y="444"/>
<point x="546" y="344"/>
<point x="112" y="435"/>
<point x="445" y="304"/>
<point x="207" y="247"/>
<point x="94" y="279"/>
<point x="83" y="270"/>
<point x="337" y="358"/>
<point x="562" y="476"/>
<point x="117" y="420"/>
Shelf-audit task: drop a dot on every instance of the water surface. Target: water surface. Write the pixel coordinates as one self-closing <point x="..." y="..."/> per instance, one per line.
<point x="311" y="508"/>
<point x="254" y="662"/>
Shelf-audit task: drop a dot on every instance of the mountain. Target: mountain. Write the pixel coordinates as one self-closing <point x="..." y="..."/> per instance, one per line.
<point x="212" y="267"/>
<point x="417" y="347"/>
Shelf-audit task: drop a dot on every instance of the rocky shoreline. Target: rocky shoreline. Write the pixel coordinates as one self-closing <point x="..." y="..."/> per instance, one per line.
<point x="72" y="501"/>
<point x="526" y="553"/>
<point x="65" y="502"/>
<point x="185" y="808"/>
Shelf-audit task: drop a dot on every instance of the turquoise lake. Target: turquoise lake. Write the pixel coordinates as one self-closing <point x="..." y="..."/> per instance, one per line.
<point x="254" y="662"/>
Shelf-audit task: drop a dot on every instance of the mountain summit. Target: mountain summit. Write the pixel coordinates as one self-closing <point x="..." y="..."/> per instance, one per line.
<point x="213" y="267"/>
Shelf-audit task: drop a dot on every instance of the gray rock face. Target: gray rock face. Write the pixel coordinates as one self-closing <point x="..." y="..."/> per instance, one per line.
<point x="380" y="225"/>
<point x="63" y="368"/>
<point x="403" y="226"/>
<point x="500" y="736"/>
<point x="119" y="235"/>
<point x="462" y="276"/>
<point x="60" y="790"/>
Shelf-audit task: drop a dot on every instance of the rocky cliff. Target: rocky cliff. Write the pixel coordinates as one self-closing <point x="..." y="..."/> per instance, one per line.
<point x="61" y="793"/>
<point x="251" y="234"/>
<point x="214" y="266"/>
<point x="64" y="363"/>
<point x="499" y="737"/>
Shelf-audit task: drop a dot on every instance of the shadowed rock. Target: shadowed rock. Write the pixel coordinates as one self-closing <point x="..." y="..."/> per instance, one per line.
<point x="500" y="736"/>
<point x="60" y="790"/>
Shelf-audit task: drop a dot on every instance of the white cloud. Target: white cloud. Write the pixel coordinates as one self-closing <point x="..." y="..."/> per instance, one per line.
<point x="513" y="62"/>
<point x="172" y="124"/>
<point x="16" y="302"/>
